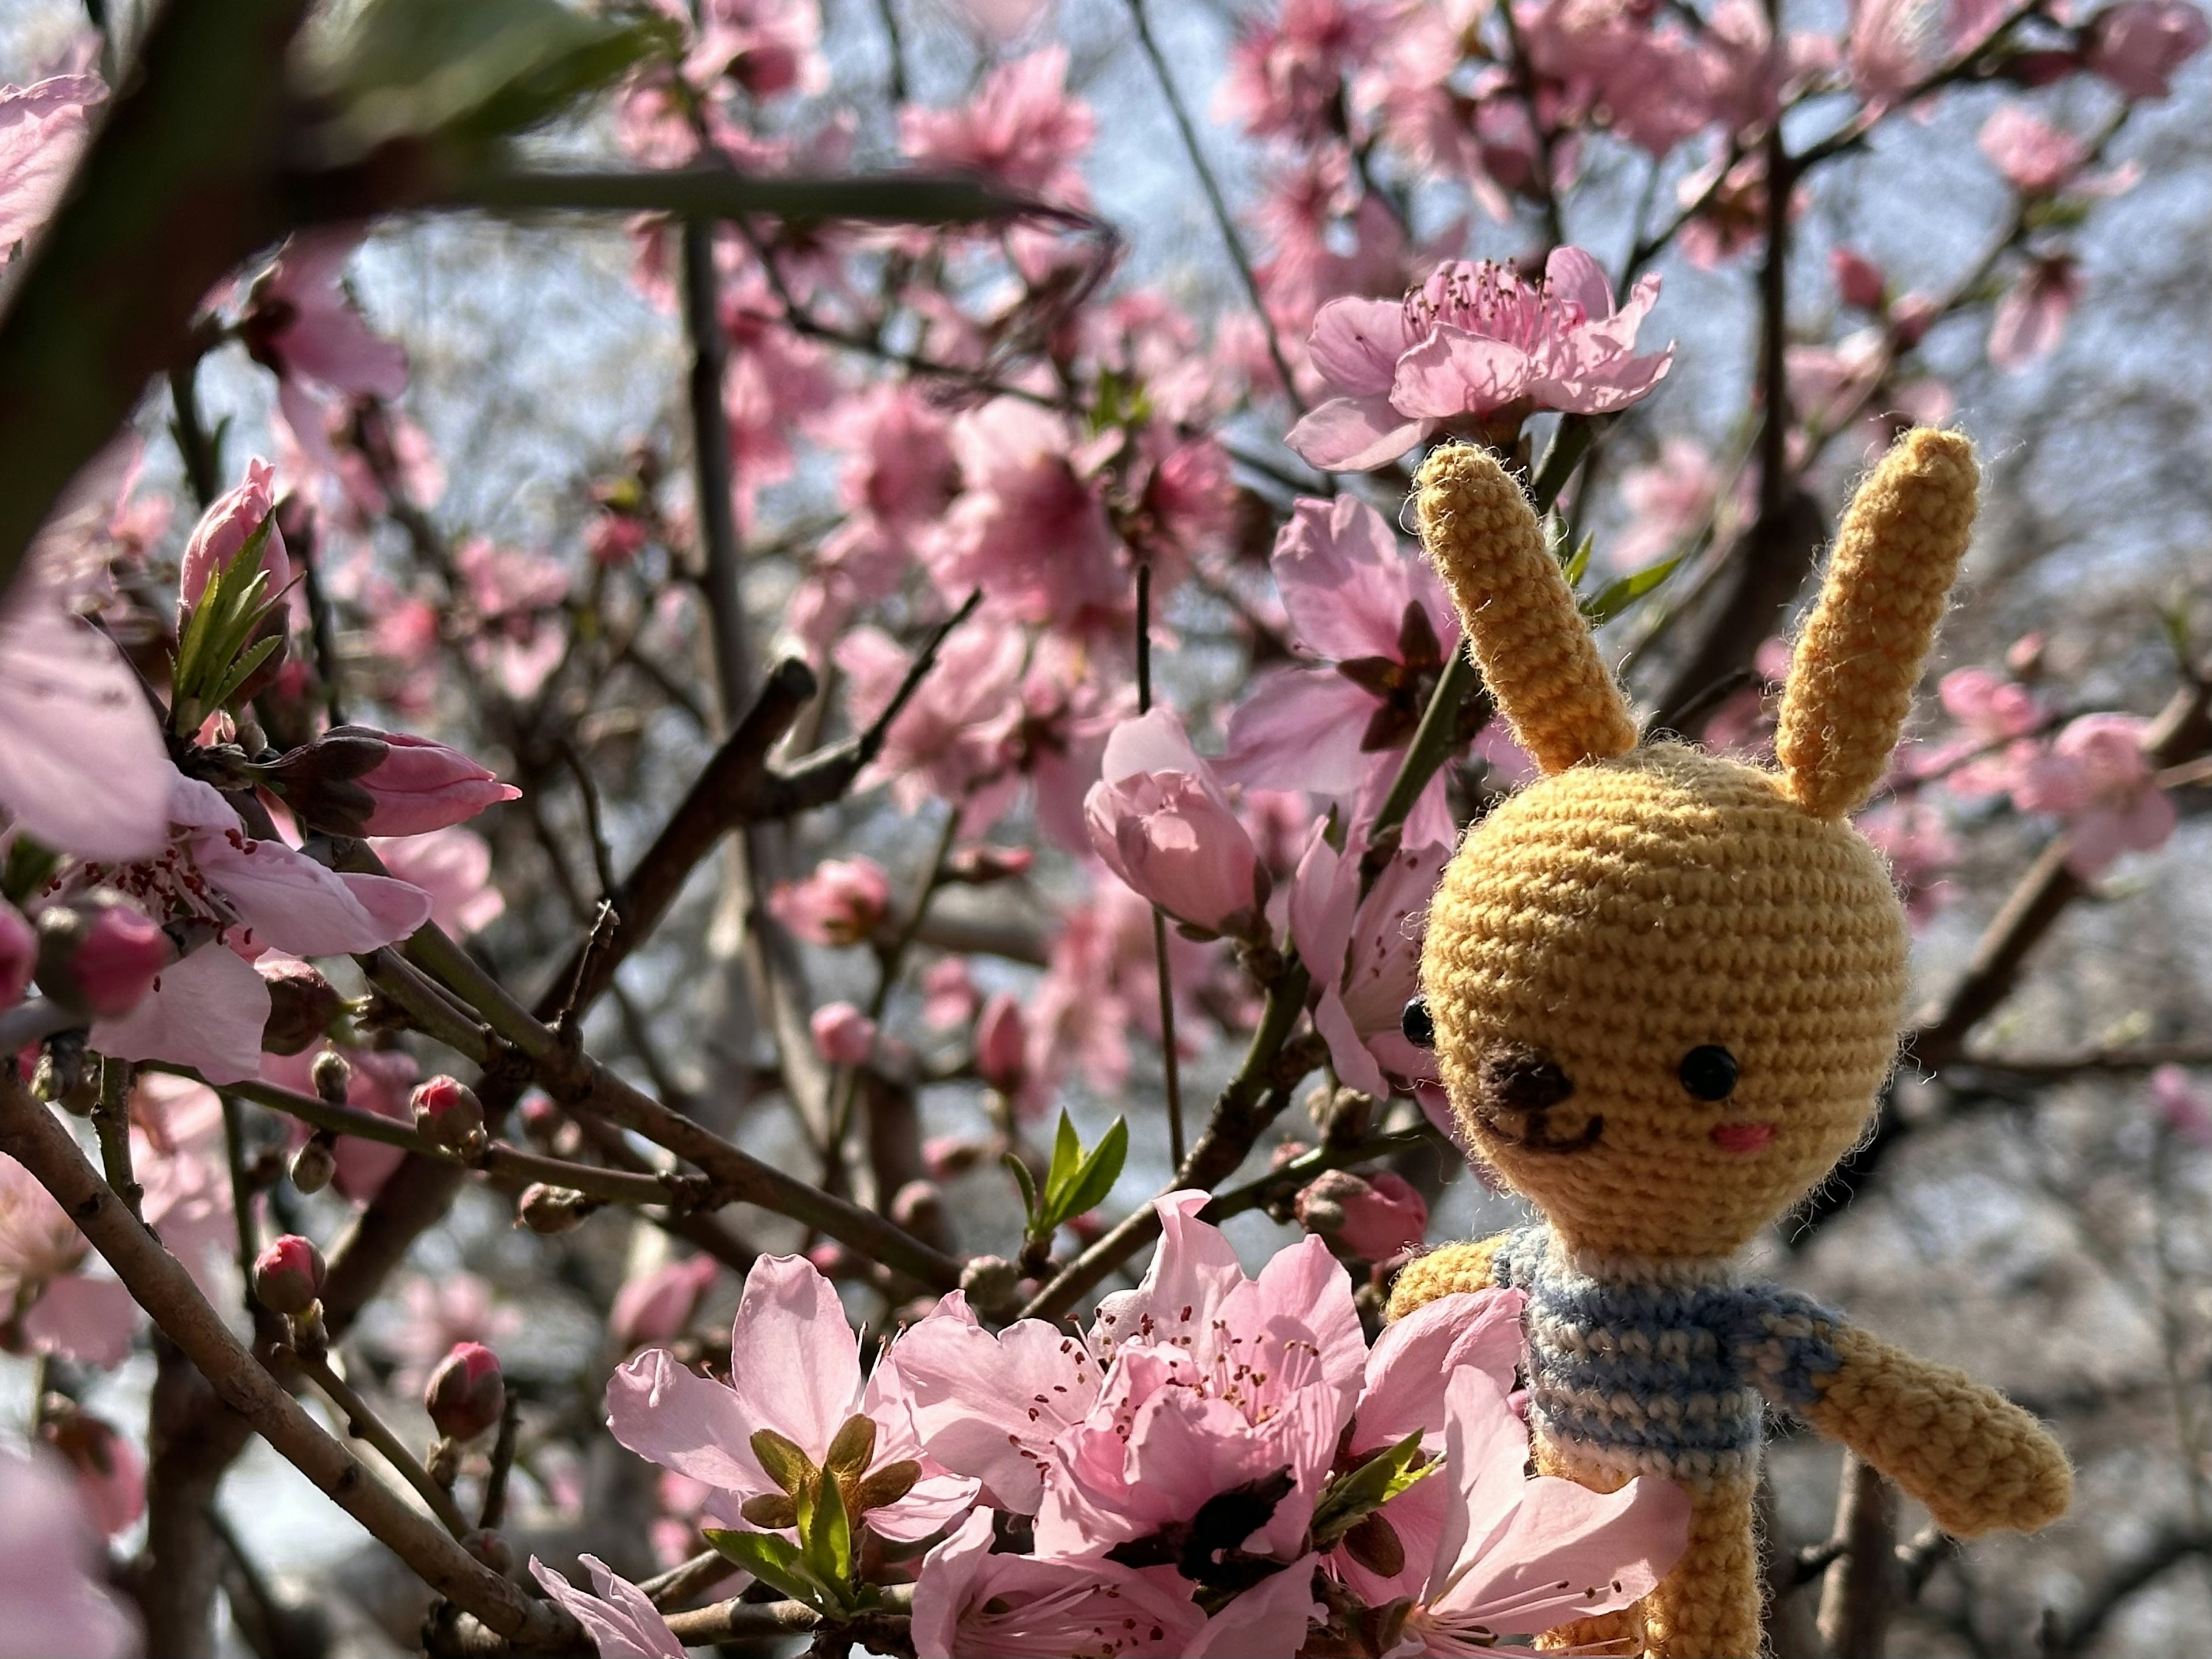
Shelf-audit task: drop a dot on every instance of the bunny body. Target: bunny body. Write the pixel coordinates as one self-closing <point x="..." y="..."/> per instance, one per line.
<point x="1666" y="989"/>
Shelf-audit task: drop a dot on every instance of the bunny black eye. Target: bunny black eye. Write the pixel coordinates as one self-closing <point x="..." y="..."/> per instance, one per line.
<point x="1708" y="1072"/>
<point x="1420" y="1030"/>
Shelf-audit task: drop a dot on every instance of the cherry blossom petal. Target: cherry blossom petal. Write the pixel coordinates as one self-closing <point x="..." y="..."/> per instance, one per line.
<point x="1299" y="728"/>
<point x="1269" y="1618"/>
<point x="673" y="1417"/>
<point x="620" y="1621"/>
<point x="1455" y="372"/>
<point x="206" y="1012"/>
<point x="1354" y="434"/>
<point x="794" y="1363"/>
<point x="88" y="1320"/>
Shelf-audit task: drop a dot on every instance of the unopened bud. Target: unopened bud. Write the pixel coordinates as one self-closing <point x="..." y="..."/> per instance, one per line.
<point x="981" y="864"/>
<point x="1373" y="1218"/>
<point x="549" y="1209"/>
<point x="318" y="779"/>
<point x="449" y="1114"/>
<point x="99" y="956"/>
<point x="843" y="1036"/>
<point x="1001" y="1045"/>
<point x="333" y="1075"/>
<point x="466" y="1392"/>
<point x="990" y="1282"/>
<point x="947" y="1157"/>
<point x="919" y="1206"/>
<point x="315" y="1163"/>
<point x="288" y="1276"/>
<point x="301" y="1005"/>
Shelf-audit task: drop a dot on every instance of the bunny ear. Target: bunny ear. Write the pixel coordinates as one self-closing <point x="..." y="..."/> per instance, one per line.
<point x="1536" y="654"/>
<point x="1852" y="674"/>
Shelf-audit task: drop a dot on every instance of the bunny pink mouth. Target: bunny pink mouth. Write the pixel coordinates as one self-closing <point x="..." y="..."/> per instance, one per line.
<point x="1742" y="1138"/>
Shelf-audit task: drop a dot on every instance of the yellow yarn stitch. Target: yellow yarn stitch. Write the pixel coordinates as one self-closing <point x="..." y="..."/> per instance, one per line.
<point x="1636" y="903"/>
<point x="1538" y="660"/>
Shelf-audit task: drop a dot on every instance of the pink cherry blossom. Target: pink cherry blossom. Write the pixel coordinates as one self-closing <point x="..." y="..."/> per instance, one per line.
<point x="52" y="1306"/>
<point x="424" y="785"/>
<point x="769" y="47"/>
<point x="1029" y="527"/>
<point x="1355" y="593"/>
<point x="1472" y="341"/>
<point x="1890" y="47"/>
<point x="83" y="768"/>
<point x="1669" y="501"/>
<point x="1524" y="1555"/>
<point x="2098" y="781"/>
<point x="434" y="1313"/>
<point x="656" y="1307"/>
<point x="795" y="1368"/>
<point x="2138" y="43"/>
<point x="841" y="902"/>
<point x="1996" y="717"/>
<point x="513" y="594"/>
<point x="453" y="866"/>
<point x="969" y="1603"/>
<point x="2180" y="1105"/>
<point x="952" y="739"/>
<point x="206" y="1012"/>
<point x="300" y="323"/>
<point x="1001" y="1045"/>
<point x="1859" y="281"/>
<point x="1285" y="73"/>
<point x="1160" y="819"/>
<point x="1068" y="710"/>
<point x="2032" y="316"/>
<point x="2038" y="159"/>
<point x="54" y="1597"/>
<point x="43" y="129"/>
<point x="1021" y="128"/>
<point x="1916" y="840"/>
<point x="111" y="1476"/>
<point x="620" y="1621"/>
<point x="1365" y="955"/>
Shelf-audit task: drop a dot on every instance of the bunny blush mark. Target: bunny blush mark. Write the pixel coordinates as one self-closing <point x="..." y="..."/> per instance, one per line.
<point x="1664" y="988"/>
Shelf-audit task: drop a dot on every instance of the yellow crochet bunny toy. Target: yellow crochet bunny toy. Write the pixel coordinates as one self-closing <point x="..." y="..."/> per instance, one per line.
<point x="1664" y="989"/>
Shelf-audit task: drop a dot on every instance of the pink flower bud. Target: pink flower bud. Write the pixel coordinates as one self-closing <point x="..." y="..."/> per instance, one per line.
<point x="919" y="1206"/>
<point x="420" y="786"/>
<point x="1373" y="1218"/>
<point x="948" y="1157"/>
<point x="541" y="1119"/>
<point x="466" y="1392"/>
<point x="224" y="528"/>
<point x="1858" y="279"/>
<point x="1162" y="823"/>
<point x="843" y="901"/>
<point x="1910" y="318"/>
<point x="19" y="954"/>
<point x="2138" y="43"/>
<point x="2185" y="1110"/>
<point x="656" y="1306"/>
<point x="301" y="1005"/>
<point x="288" y="1276"/>
<point x="1001" y="1045"/>
<point x="843" y="1036"/>
<point x="99" y="954"/>
<point x="449" y="1114"/>
<point x="982" y="864"/>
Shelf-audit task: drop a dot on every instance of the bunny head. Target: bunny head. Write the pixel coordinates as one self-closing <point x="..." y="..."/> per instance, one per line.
<point x="1665" y="986"/>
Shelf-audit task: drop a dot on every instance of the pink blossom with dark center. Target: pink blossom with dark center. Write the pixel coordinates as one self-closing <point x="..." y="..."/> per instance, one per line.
<point x="1021" y="128"/>
<point x="969" y="1603"/>
<point x="1473" y="340"/>
<point x="1353" y="592"/>
<point x="795" y="1369"/>
<point x="2098" y="780"/>
<point x="841" y="902"/>
<point x="300" y="323"/>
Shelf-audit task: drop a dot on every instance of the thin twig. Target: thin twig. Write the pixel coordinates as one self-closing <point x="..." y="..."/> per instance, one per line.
<point x="111" y="1123"/>
<point x="363" y="1424"/>
<point x="493" y="1515"/>
<point x="1230" y="239"/>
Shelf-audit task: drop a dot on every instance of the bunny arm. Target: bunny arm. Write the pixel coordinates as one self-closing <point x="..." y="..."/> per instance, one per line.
<point x="1977" y="1461"/>
<point x="1444" y="1271"/>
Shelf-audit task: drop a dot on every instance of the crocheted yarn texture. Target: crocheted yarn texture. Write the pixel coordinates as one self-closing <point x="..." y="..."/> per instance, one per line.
<point x="1666" y="989"/>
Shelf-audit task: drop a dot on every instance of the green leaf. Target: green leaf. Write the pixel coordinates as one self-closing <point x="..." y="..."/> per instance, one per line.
<point x="1357" y="1493"/>
<point x="242" y="671"/>
<point x="775" y="1561"/>
<point x="1578" y="563"/>
<point x="1026" y="1182"/>
<point x="1096" y="1175"/>
<point x="1616" y="596"/>
<point x="826" y="1538"/>
<point x="1067" y="1159"/>
<point x="476" y="71"/>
